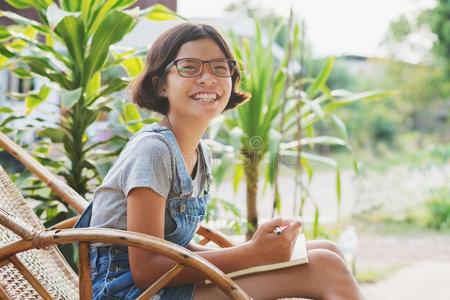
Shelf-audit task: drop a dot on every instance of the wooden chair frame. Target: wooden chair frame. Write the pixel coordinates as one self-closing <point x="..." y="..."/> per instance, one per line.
<point x="62" y="234"/>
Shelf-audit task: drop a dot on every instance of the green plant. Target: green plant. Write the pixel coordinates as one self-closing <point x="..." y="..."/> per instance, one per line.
<point x="439" y="208"/>
<point x="279" y="119"/>
<point x="70" y="47"/>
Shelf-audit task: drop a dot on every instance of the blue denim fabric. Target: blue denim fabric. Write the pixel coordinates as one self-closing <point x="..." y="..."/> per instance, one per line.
<point x="110" y="270"/>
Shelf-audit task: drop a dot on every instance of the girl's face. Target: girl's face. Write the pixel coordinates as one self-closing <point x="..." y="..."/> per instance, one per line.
<point x="202" y="97"/>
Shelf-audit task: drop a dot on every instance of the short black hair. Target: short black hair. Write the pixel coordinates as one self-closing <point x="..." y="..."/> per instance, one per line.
<point x="145" y="88"/>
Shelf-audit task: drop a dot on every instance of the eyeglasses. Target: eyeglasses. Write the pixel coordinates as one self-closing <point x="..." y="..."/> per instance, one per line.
<point x="192" y="67"/>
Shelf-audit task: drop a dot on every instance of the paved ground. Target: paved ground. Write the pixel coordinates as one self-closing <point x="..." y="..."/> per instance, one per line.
<point x="422" y="280"/>
<point x="421" y="264"/>
<point x="416" y="264"/>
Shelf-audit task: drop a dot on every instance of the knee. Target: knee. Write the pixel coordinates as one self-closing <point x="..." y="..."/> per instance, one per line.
<point x="338" y="281"/>
<point x="328" y="261"/>
<point x="331" y="246"/>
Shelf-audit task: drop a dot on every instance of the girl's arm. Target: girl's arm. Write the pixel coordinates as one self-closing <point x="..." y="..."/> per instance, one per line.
<point x="194" y="247"/>
<point x="145" y="214"/>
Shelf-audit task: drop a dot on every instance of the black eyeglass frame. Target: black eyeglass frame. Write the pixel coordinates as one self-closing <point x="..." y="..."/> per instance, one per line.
<point x="175" y="62"/>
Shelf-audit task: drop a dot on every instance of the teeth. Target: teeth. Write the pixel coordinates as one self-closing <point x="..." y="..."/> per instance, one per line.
<point x="209" y="97"/>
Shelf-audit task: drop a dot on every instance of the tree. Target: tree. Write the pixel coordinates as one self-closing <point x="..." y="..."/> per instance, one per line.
<point x="71" y="48"/>
<point x="278" y="120"/>
<point x="440" y="25"/>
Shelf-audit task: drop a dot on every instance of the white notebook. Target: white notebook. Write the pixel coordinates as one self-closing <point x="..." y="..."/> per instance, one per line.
<point x="299" y="256"/>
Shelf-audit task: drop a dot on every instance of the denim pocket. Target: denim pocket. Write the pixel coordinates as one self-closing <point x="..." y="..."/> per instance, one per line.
<point x="177" y="229"/>
<point x="194" y="219"/>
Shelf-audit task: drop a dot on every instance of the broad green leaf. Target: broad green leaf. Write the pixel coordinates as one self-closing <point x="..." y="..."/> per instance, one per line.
<point x="43" y="92"/>
<point x="7" y="110"/>
<point x="33" y="100"/>
<point x="22" y="73"/>
<point x="21" y="4"/>
<point x="159" y="12"/>
<point x="70" y="97"/>
<point x="72" y="5"/>
<point x="4" y="33"/>
<point x="87" y="9"/>
<point x="5" y="52"/>
<point x="114" y="85"/>
<point x="8" y="120"/>
<point x="42" y="150"/>
<point x="131" y="112"/>
<point x="29" y="31"/>
<point x="121" y="4"/>
<point x="43" y="67"/>
<point x="94" y="85"/>
<point x="131" y="115"/>
<point x="17" y="45"/>
<point x="71" y="31"/>
<point x="112" y="30"/>
<point x="100" y="12"/>
<point x="320" y="81"/>
<point x="133" y="66"/>
<point x="25" y="21"/>
<point x="45" y="50"/>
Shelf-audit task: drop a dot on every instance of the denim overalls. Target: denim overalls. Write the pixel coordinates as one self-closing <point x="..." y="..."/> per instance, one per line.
<point x="110" y="270"/>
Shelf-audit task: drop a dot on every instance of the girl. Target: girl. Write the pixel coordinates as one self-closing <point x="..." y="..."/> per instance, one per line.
<point x="160" y="182"/>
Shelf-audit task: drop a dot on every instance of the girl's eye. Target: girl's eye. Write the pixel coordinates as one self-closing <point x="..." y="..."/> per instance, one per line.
<point x="221" y="68"/>
<point x="188" y="68"/>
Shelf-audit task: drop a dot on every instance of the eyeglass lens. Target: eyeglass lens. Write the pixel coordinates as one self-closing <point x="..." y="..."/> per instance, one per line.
<point x="191" y="67"/>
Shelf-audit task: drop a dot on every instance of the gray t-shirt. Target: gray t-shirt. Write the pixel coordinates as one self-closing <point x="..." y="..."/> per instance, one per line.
<point x="146" y="161"/>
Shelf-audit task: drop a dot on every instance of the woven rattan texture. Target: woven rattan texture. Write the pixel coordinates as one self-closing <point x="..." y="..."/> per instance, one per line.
<point x="48" y="266"/>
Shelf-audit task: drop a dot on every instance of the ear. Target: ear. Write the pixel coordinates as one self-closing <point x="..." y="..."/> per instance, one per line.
<point x="163" y="92"/>
<point x="159" y="86"/>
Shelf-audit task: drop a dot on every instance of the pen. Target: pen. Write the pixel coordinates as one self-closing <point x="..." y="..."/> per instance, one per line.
<point x="277" y="230"/>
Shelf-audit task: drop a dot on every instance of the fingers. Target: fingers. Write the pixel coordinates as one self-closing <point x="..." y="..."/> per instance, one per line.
<point x="288" y="225"/>
<point x="280" y="222"/>
<point x="293" y="228"/>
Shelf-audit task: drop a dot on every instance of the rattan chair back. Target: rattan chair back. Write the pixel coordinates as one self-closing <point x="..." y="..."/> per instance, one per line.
<point x="47" y="266"/>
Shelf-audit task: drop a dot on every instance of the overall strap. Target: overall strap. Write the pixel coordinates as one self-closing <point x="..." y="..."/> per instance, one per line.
<point x="185" y="181"/>
<point x="205" y="154"/>
<point x="184" y="178"/>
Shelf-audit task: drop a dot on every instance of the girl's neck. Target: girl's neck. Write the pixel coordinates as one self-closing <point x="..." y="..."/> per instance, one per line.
<point x="187" y="133"/>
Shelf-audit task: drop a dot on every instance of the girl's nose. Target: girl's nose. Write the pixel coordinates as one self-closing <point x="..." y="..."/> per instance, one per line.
<point x="207" y="76"/>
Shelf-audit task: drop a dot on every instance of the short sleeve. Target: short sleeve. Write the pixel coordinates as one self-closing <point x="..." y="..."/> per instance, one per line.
<point x="147" y="162"/>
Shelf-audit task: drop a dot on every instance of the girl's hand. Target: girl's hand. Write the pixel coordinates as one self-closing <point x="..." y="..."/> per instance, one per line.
<point x="270" y="247"/>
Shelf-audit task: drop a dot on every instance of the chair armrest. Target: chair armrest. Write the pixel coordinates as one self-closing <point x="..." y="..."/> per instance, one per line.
<point x="126" y="238"/>
<point x="214" y="236"/>
<point x="65" y="224"/>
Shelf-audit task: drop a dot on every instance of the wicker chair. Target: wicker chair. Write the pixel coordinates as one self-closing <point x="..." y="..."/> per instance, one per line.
<point x="32" y="267"/>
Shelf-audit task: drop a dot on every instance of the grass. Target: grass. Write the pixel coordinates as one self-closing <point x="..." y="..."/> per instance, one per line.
<point x="374" y="275"/>
<point x="433" y="215"/>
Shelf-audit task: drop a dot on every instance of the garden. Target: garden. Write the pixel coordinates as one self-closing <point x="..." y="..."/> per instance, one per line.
<point x="358" y="148"/>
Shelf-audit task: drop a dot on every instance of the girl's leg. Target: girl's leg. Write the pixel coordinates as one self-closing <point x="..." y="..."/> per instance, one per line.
<point x="324" y="244"/>
<point x="324" y="277"/>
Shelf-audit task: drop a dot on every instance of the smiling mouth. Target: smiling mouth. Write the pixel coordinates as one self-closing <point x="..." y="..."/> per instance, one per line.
<point x="208" y="97"/>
